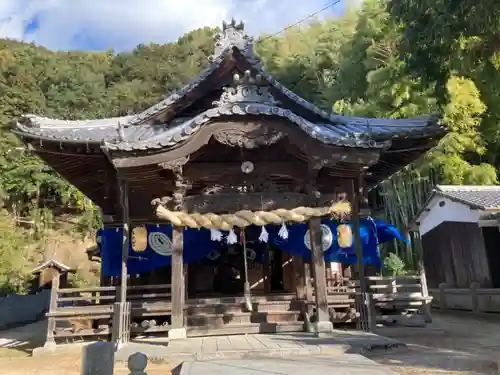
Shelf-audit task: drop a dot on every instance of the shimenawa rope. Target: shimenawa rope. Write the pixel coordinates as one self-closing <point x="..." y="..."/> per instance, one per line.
<point x="245" y="218"/>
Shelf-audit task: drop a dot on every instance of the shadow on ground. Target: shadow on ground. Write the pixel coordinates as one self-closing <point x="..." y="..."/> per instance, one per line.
<point x="22" y="339"/>
<point x="451" y="344"/>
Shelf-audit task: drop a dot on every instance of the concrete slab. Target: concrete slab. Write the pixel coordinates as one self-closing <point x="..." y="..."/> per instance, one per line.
<point x="345" y="364"/>
<point x="258" y="345"/>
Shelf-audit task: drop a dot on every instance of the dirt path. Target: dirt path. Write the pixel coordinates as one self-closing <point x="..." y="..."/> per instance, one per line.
<point x="452" y="344"/>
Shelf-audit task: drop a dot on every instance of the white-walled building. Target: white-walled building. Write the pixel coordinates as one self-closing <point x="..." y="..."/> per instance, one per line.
<point x="460" y="235"/>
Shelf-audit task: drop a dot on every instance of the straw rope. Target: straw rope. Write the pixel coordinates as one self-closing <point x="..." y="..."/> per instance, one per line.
<point x="245" y="218"/>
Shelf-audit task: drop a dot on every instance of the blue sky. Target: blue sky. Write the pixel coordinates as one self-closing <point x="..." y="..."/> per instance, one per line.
<point x="122" y="24"/>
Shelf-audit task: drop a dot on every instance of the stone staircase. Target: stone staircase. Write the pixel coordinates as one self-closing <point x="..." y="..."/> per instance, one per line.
<point x="229" y="315"/>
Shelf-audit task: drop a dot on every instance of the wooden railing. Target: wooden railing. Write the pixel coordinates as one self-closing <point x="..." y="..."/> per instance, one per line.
<point x="92" y="311"/>
<point x="394" y="299"/>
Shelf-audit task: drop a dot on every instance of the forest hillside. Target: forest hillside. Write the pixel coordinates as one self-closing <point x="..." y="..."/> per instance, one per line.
<point x="382" y="60"/>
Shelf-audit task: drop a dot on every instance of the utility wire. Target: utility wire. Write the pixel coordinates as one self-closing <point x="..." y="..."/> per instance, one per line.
<point x="302" y="20"/>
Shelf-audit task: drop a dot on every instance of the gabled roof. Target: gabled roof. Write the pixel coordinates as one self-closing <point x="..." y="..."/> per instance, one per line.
<point x="131" y="132"/>
<point x="476" y="197"/>
<point x="52" y="263"/>
<point x="481" y="198"/>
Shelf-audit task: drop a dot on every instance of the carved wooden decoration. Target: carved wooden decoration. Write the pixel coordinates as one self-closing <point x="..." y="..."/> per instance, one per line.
<point x="246" y="138"/>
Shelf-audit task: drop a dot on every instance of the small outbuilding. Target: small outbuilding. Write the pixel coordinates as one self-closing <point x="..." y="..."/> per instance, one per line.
<point x="460" y="235"/>
<point x="46" y="272"/>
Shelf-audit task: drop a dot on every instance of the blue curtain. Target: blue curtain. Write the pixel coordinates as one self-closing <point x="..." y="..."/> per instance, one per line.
<point x="198" y="247"/>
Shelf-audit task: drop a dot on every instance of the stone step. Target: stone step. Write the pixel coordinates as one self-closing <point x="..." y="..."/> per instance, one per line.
<point x="249" y="328"/>
<point x="220" y="320"/>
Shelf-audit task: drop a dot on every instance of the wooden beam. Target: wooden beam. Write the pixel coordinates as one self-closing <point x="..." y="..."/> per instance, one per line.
<point x="200" y="171"/>
<point x="178" y="285"/>
<point x="229" y="203"/>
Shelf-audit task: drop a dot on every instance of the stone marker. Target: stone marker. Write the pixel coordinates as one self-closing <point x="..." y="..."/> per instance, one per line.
<point x="98" y="358"/>
<point x="137" y="363"/>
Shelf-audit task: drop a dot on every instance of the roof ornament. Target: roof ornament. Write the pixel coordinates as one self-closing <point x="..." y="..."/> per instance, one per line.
<point x="246" y="89"/>
<point x="233" y="35"/>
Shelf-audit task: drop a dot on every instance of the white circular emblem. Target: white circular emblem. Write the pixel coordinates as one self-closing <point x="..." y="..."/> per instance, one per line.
<point x="327" y="238"/>
<point x="160" y="243"/>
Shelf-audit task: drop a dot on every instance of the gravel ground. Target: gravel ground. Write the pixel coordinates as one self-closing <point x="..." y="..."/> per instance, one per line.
<point x="452" y="344"/>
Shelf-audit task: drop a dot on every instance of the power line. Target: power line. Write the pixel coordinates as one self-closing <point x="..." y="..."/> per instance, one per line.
<point x="302" y="20"/>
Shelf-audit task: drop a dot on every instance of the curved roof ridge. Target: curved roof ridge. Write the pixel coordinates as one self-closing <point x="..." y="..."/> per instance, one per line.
<point x="41" y="122"/>
<point x="445" y="188"/>
<point x="183" y="131"/>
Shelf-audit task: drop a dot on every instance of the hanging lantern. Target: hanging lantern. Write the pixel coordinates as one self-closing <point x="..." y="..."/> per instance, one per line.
<point x="344" y="235"/>
<point x="139" y="239"/>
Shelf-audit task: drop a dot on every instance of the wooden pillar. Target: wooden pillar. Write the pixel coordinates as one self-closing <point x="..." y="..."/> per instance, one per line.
<point x="364" y="300"/>
<point x="51" y="322"/>
<point x="178" y="330"/>
<point x="423" y="278"/>
<point x="121" y="327"/>
<point x="122" y="297"/>
<point x="318" y="262"/>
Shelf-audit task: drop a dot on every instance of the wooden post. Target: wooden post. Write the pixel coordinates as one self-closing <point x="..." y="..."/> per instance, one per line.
<point x="318" y="261"/>
<point x="125" y="240"/>
<point x="178" y="330"/>
<point x="364" y="300"/>
<point x="423" y="278"/>
<point x="51" y="321"/>
<point x="119" y="333"/>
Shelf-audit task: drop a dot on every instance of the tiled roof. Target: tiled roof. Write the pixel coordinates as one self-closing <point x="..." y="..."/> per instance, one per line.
<point x="129" y="133"/>
<point x="182" y="132"/>
<point x="117" y="133"/>
<point x="478" y="197"/>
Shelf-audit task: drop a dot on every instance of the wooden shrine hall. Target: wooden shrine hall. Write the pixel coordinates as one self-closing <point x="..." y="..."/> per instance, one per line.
<point x="232" y="150"/>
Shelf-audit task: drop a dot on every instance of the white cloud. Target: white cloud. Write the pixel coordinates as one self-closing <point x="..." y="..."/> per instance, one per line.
<point x="122" y="24"/>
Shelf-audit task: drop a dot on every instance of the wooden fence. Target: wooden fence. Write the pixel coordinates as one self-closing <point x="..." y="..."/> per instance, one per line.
<point x="393" y="297"/>
<point x="92" y="311"/>
<point x="475" y="299"/>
